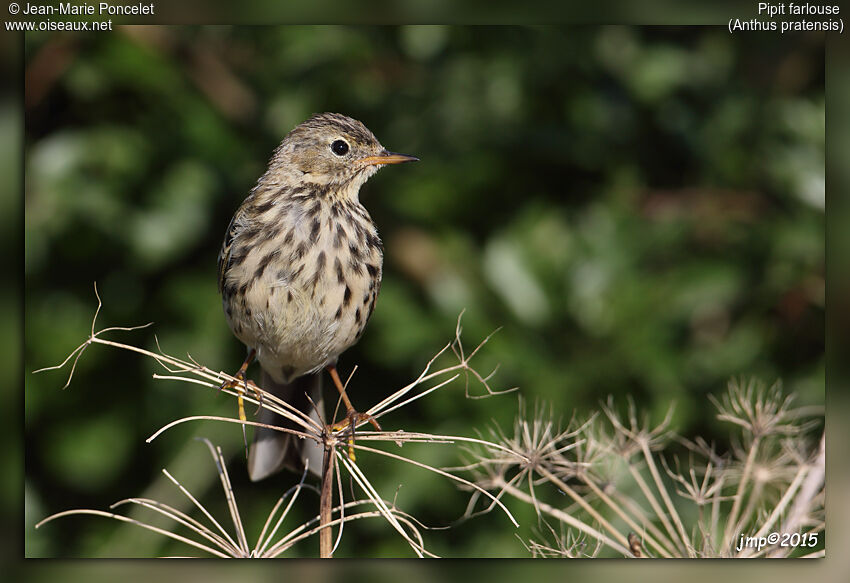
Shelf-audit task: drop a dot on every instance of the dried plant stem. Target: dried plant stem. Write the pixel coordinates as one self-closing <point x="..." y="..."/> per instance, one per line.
<point x="583" y="503"/>
<point x="561" y="516"/>
<point x="732" y="522"/>
<point x="780" y="507"/>
<point x="388" y="513"/>
<point x="715" y="504"/>
<point x="466" y="483"/>
<point x="647" y="539"/>
<point x="808" y="491"/>
<point x="690" y="510"/>
<point x="755" y="497"/>
<point x="656" y="476"/>
<point x="307" y="428"/>
<point x="263" y="541"/>
<point x="633" y="507"/>
<point x="326" y="504"/>
<point x="656" y="507"/>
<point x="155" y="529"/>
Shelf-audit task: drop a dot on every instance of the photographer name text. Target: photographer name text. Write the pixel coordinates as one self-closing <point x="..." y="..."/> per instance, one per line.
<point x="99" y="9"/>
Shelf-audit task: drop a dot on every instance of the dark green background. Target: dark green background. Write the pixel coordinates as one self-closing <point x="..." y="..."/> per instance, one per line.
<point x="640" y="209"/>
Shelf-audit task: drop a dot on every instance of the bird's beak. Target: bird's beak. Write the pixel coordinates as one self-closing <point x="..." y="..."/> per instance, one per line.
<point x="387" y="158"/>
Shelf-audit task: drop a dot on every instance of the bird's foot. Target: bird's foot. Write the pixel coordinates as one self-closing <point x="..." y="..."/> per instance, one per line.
<point x="241" y="385"/>
<point x="241" y="381"/>
<point x="351" y="421"/>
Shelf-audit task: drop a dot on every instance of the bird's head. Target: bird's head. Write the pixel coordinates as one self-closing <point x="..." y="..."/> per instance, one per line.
<point x="331" y="149"/>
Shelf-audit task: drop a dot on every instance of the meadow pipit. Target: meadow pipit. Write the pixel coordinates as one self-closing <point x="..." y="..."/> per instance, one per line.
<point x="300" y="270"/>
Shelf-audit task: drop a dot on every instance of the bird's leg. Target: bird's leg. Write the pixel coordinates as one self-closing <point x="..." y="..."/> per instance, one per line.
<point x="351" y="413"/>
<point x="352" y="417"/>
<point x="240" y="377"/>
<point x="242" y="380"/>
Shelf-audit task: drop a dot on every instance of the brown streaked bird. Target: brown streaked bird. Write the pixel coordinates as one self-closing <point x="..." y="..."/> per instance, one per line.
<point x="300" y="270"/>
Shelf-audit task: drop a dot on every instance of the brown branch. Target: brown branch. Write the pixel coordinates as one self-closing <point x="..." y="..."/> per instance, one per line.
<point x="326" y="504"/>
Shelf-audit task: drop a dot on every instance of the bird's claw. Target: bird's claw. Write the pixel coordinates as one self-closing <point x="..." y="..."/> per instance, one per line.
<point x="351" y="421"/>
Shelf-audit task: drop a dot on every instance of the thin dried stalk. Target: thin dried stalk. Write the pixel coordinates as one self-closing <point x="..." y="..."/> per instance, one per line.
<point x="563" y="517"/>
<point x="194" y="373"/>
<point x="326" y="505"/>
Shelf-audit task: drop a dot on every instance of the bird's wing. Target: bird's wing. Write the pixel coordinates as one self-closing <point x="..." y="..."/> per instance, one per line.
<point x="226" y="247"/>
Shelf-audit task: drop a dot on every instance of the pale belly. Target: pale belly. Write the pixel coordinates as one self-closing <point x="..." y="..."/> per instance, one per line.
<point x="301" y="315"/>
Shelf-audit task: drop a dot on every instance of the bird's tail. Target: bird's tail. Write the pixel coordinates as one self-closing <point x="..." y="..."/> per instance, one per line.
<point x="273" y="450"/>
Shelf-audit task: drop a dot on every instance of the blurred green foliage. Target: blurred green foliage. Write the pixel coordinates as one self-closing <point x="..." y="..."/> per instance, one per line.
<point x="641" y="210"/>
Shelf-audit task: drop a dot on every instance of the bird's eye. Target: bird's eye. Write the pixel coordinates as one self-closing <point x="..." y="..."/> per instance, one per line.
<point x="339" y="147"/>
